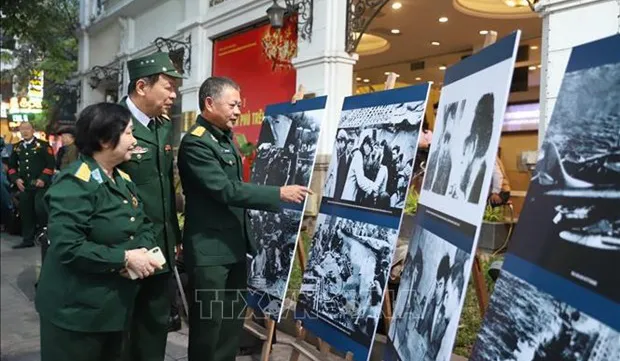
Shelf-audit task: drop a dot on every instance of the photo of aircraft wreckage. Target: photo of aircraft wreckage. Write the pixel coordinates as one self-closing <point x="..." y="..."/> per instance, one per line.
<point x="587" y="191"/>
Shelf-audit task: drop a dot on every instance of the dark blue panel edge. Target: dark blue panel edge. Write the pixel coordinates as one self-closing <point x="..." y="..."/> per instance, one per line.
<point x="583" y="299"/>
<point x="487" y="57"/>
<point x="392" y="96"/>
<point x="383" y="220"/>
<point x="333" y="337"/>
<point x="595" y="54"/>
<point x="299" y="106"/>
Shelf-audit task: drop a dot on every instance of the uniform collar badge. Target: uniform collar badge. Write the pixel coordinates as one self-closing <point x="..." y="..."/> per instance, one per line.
<point x="134" y="201"/>
<point x="96" y="175"/>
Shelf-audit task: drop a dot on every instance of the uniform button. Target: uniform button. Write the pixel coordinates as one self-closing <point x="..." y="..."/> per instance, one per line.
<point x="125" y="201"/>
<point x="26" y="160"/>
<point x="131" y="238"/>
<point x="133" y="219"/>
<point x="139" y="156"/>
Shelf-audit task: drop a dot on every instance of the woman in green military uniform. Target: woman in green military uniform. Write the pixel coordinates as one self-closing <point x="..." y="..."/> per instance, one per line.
<point x="98" y="231"/>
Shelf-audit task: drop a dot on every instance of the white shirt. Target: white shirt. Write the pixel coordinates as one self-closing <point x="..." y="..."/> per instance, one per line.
<point x="137" y="113"/>
<point x="28" y="142"/>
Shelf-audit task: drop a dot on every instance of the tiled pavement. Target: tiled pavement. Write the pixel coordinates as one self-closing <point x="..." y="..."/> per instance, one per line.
<point x="20" y="322"/>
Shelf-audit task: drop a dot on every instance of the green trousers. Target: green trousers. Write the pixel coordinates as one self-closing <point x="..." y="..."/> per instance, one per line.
<point x="32" y="211"/>
<point x="59" y="344"/>
<point x="217" y="311"/>
<point x="148" y="329"/>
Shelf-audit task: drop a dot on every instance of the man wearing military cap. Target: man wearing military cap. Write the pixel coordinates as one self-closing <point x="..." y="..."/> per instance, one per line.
<point x="31" y="167"/>
<point x="151" y="94"/>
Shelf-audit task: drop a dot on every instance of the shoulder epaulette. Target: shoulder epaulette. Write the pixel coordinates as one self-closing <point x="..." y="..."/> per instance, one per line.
<point x="199" y="131"/>
<point x="83" y="172"/>
<point x="124" y="175"/>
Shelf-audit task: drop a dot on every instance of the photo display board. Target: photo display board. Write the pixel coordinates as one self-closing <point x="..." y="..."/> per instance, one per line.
<point x="558" y="295"/>
<point x="454" y="195"/>
<point x="359" y="217"/>
<point x="285" y="155"/>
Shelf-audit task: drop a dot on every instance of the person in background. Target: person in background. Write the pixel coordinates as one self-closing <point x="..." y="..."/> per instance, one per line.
<point x="215" y="236"/>
<point x="500" y="185"/>
<point x="31" y="167"/>
<point x="68" y="153"/>
<point x="151" y="92"/>
<point x="6" y="204"/>
<point x="98" y="232"/>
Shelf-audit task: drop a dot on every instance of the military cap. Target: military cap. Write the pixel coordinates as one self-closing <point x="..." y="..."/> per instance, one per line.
<point x="156" y="63"/>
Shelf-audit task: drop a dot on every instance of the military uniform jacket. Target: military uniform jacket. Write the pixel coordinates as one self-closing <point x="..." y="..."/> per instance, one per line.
<point x="92" y="222"/>
<point x="216" y="198"/>
<point x="151" y="169"/>
<point x="30" y="162"/>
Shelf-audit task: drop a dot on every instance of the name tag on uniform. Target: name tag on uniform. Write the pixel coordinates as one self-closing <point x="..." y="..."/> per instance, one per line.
<point x="225" y="150"/>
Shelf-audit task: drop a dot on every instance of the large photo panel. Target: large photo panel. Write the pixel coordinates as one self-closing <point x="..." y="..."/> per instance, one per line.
<point x="285" y="155"/>
<point x="467" y="131"/>
<point x="359" y="217"/>
<point x="557" y="295"/>
<point x="570" y="223"/>
<point x="454" y="192"/>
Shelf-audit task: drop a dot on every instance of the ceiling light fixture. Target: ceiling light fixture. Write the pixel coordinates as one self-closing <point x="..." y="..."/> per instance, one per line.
<point x="431" y="82"/>
<point x="539" y="66"/>
<point x="395" y="31"/>
<point x="534" y="47"/>
<point x="386" y="73"/>
<point x="443" y="19"/>
<point x="418" y="78"/>
<point x="443" y="67"/>
<point x="358" y="78"/>
<point x="517" y="3"/>
<point x="533" y="67"/>
<point x="397" y="5"/>
<point x="366" y="80"/>
<point x="484" y="32"/>
<point x="435" y="43"/>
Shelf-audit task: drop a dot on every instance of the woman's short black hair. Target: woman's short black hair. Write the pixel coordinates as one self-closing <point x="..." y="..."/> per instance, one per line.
<point x="100" y="123"/>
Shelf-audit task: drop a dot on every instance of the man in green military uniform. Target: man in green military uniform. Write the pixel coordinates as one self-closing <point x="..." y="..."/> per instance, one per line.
<point x="151" y="94"/>
<point x="215" y="237"/>
<point x="31" y="167"/>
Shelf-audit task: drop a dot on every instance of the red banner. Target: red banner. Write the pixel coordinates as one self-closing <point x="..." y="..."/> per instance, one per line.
<point x="259" y="60"/>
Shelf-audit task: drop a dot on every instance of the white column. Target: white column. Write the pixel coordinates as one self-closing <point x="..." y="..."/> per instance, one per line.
<point x="83" y="66"/>
<point x="200" y="69"/>
<point x="566" y="24"/>
<point x="324" y="67"/>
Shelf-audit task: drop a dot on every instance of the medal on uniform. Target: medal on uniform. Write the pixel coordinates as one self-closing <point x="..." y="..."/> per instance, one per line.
<point x="138" y="151"/>
<point x="134" y="201"/>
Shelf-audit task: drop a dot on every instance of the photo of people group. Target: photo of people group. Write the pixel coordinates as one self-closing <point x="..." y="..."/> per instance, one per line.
<point x="373" y="156"/>
<point x="286" y="148"/>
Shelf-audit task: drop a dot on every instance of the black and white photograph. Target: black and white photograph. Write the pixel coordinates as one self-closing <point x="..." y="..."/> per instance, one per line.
<point x="373" y="155"/>
<point x="346" y="274"/>
<point x="286" y="148"/>
<point x="524" y="324"/>
<point x="275" y="236"/>
<point x="466" y="135"/>
<point x="570" y="223"/>
<point x="427" y="306"/>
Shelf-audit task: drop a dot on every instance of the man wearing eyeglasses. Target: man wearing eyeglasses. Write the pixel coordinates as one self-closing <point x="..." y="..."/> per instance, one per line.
<point x="215" y="237"/>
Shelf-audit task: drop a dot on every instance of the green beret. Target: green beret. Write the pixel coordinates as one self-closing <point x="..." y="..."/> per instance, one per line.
<point x="152" y="64"/>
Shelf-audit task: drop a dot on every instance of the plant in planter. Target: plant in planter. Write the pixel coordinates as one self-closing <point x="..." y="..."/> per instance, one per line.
<point x="494" y="230"/>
